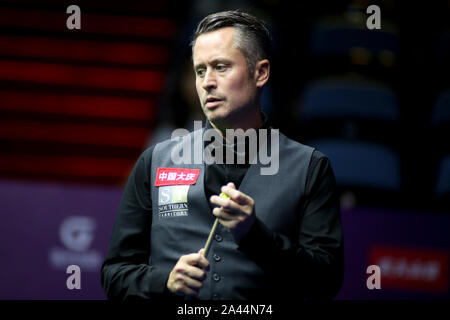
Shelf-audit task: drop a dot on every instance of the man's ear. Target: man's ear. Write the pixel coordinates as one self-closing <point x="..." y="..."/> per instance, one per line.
<point x="262" y="72"/>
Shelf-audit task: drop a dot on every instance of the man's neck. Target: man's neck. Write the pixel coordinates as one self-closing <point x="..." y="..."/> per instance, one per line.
<point x="232" y="141"/>
<point x="256" y="122"/>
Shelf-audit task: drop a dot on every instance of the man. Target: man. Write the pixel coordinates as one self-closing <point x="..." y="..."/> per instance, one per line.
<point x="279" y="235"/>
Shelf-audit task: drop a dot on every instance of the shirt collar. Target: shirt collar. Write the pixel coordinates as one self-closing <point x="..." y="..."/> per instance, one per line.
<point x="265" y="125"/>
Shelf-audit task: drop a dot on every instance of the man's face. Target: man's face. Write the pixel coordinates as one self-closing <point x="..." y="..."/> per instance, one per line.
<point x="227" y="93"/>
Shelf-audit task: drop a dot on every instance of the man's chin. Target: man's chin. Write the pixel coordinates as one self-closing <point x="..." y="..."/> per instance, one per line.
<point x="219" y="121"/>
<point x="215" y="115"/>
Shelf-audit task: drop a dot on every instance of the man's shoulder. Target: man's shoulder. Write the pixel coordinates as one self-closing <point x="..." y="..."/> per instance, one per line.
<point x="293" y="144"/>
<point x="316" y="154"/>
<point x="146" y="155"/>
<point x="178" y="136"/>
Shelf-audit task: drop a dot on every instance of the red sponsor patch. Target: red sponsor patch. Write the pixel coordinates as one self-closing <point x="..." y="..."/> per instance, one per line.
<point x="411" y="268"/>
<point x="176" y="176"/>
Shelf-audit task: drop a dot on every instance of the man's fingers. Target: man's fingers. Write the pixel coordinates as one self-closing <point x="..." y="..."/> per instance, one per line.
<point x="188" y="274"/>
<point x="224" y="215"/>
<point x="226" y="204"/>
<point x="183" y="289"/>
<point x="236" y="195"/>
<point x="202" y="262"/>
<point x="194" y="272"/>
<point x="231" y="185"/>
<point x="196" y="259"/>
<point x="219" y="201"/>
<point x="191" y="283"/>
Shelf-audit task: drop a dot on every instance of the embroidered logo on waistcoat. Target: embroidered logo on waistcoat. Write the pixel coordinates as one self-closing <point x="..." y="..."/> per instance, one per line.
<point x="172" y="201"/>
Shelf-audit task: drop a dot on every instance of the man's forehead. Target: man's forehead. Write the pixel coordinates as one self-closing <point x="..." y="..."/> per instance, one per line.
<point x="220" y="38"/>
<point x="221" y="35"/>
<point x="213" y="45"/>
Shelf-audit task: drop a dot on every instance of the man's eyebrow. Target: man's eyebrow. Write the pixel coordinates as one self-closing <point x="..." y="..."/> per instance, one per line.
<point x="199" y="65"/>
<point x="220" y="60"/>
<point x="213" y="62"/>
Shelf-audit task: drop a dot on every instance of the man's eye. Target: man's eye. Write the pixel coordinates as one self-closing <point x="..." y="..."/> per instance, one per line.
<point x="221" y="67"/>
<point x="200" y="72"/>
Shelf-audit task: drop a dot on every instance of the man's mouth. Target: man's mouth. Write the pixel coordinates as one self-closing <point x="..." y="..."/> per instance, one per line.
<point x="212" y="102"/>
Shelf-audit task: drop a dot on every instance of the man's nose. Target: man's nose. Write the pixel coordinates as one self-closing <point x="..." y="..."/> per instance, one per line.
<point x="209" y="81"/>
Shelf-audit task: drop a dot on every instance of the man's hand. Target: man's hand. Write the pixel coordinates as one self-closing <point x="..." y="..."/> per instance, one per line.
<point x="237" y="213"/>
<point x="186" y="278"/>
